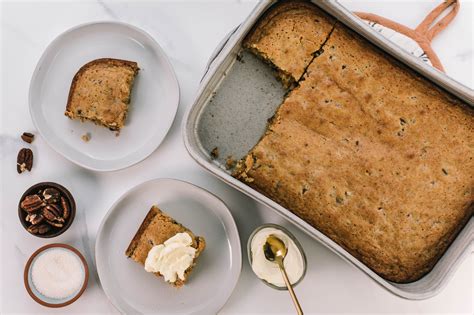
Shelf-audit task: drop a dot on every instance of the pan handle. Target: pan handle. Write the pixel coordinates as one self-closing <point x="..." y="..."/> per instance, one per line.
<point x="218" y="49"/>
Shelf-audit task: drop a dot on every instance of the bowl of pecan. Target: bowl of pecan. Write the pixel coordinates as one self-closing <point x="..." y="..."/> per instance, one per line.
<point x="46" y="209"/>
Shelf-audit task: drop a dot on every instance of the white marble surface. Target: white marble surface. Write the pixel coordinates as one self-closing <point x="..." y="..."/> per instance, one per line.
<point x="188" y="31"/>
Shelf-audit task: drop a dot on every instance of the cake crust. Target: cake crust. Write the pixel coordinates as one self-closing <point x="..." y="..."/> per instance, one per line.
<point x="156" y="228"/>
<point x="375" y="157"/>
<point x="100" y="92"/>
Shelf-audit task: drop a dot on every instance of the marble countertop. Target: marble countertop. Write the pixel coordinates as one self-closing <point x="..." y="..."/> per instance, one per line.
<point x="188" y="31"/>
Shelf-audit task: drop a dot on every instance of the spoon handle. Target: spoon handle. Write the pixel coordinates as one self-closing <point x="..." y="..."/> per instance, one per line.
<point x="290" y="288"/>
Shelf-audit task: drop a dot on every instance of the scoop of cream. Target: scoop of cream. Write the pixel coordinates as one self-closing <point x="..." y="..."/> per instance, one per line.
<point x="269" y="271"/>
<point x="172" y="258"/>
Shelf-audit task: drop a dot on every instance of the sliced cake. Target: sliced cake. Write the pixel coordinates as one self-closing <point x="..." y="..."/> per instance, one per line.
<point x="165" y="247"/>
<point x="100" y="92"/>
<point x="288" y="36"/>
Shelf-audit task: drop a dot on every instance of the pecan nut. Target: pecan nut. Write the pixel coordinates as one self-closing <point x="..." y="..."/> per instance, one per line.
<point x="34" y="218"/>
<point x="32" y="203"/>
<point x="65" y="206"/>
<point x="28" y="137"/>
<point x="39" y="228"/>
<point x="54" y="223"/>
<point x="52" y="213"/>
<point x="51" y="195"/>
<point x="24" y="160"/>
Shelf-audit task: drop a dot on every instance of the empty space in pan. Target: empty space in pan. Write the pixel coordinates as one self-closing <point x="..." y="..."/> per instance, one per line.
<point x="236" y="114"/>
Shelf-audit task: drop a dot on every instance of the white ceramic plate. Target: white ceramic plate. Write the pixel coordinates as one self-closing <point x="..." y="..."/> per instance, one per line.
<point x="155" y="96"/>
<point x="133" y="290"/>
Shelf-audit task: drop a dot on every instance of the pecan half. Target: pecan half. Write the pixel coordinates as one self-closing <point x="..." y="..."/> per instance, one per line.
<point x="48" y="214"/>
<point x="39" y="228"/>
<point x="51" y="195"/>
<point x="28" y="137"/>
<point x="54" y="223"/>
<point x="34" y="218"/>
<point x="52" y="213"/>
<point x="44" y="228"/>
<point x="65" y="207"/>
<point x="24" y="160"/>
<point x="32" y="203"/>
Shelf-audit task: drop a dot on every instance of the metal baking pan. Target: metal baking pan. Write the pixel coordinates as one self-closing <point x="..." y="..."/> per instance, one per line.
<point x="237" y="95"/>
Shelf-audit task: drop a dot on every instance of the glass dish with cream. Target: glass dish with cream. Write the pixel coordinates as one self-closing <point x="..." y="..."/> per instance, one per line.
<point x="269" y="272"/>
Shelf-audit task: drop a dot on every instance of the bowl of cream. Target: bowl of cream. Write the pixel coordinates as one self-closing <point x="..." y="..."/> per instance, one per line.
<point x="267" y="271"/>
<point x="56" y="275"/>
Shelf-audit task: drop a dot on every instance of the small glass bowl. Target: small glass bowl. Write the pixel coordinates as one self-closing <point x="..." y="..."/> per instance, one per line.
<point x="292" y="237"/>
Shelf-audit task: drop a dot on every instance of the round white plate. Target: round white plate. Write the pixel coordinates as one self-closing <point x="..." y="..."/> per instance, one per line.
<point x="155" y="96"/>
<point x="133" y="290"/>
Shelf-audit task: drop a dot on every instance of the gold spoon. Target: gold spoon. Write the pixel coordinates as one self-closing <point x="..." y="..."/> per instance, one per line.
<point x="275" y="251"/>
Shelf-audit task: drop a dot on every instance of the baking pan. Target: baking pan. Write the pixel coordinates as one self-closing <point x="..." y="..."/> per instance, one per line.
<point x="238" y="93"/>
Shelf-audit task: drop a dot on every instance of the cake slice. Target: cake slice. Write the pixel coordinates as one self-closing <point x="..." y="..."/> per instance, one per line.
<point x="289" y="36"/>
<point x="100" y="92"/>
<point x="156" y="229"/>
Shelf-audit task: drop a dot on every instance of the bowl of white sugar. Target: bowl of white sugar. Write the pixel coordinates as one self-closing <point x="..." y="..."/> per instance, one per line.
<point x="56" y="275"/>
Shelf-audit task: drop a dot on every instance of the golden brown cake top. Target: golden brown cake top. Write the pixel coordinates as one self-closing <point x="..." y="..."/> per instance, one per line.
<point x="100" y="92"/>
<point x="374" y="156"/>
<point x="288" y="35"/>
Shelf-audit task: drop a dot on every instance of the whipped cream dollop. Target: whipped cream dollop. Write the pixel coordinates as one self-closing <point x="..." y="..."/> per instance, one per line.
<point x="172" y="258"/>
<point x="269" y="271"/>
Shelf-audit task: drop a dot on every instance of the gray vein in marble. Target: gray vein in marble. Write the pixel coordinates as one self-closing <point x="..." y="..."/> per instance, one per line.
<point x="108" y="10"/>
<point x="20" y="252"/>
<point x="87" y="245"/>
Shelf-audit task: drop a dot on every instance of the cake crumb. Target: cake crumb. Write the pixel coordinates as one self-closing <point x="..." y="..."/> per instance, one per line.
<point x="240" y="59"/>
<point x="86" y="137"/>
<point x="230" y="162"/>
<point x="215" y="153"/>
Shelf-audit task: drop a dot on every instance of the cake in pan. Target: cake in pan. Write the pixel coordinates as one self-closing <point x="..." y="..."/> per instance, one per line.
<point x="375" y="157"/>
<point x="288" y="36"/>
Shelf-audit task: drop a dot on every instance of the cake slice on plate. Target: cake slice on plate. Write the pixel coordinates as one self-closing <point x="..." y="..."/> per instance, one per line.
<point x="165" y="247"/>
<point x="100" y="92"/>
